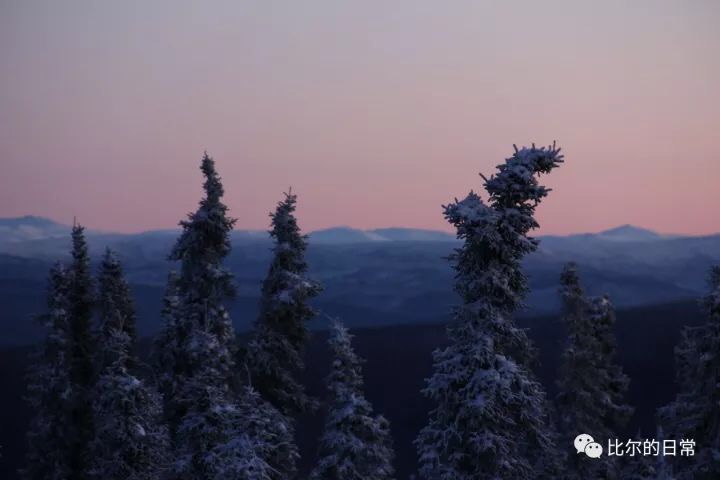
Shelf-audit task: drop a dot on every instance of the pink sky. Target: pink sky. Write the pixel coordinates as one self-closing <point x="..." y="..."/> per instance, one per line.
<point x="375" y="112"/>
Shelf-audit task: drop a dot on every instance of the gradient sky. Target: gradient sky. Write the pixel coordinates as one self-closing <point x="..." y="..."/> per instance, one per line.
<point x="375" y="112"/>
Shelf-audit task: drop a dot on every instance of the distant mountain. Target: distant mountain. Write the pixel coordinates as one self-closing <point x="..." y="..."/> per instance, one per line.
<point x="339" y="235"/>
<point x="32" y="228"/>
<point x="413" y="235"/>
<point x="29" y="227"/>
<point x="629" y="233"/>
<point x="371" y="277"/>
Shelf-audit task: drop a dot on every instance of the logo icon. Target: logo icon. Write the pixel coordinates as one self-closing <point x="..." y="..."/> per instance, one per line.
<point x="587" y="444"/>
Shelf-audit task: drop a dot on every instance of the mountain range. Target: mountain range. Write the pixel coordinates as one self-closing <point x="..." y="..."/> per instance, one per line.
<point x="375" y="277"/>
<point x="33" y="228"/>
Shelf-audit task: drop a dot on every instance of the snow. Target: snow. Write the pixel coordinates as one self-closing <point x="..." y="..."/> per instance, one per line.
<point x="489" y="408"/>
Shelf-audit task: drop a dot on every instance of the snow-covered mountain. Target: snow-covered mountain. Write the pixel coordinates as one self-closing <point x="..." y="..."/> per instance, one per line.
<point x="373" y="277"/>
<point x="341" y="235"/>
<point x="629" y="233"/>
<point x="414" y="235"/>
<point x="21" y="229"/>
<point x="33" y="228"/>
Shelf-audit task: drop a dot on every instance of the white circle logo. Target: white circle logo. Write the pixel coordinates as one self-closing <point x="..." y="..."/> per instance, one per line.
<point x="593" y="450"/>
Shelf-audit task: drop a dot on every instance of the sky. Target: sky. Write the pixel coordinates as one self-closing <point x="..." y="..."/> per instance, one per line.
<point x="375" y="112"/>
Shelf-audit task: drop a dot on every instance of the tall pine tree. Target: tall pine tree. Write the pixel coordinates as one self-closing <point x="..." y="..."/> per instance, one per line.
<point x="115" y="300"/>
<point x="274" y="357"/>
<point x="356" y="443"/>
<point x="695" y="412"/>
<point x="272" y="433"/>
<point x="130" y="440"/>
<point x="592" y="386"/>
<point x="50" y="391"/>
<point x="490" y="420"/>
<point x="210" y="442"/>
<point x="166" y="350"/>
<point x="83" y="373"/>
<point x="202" y="287"/>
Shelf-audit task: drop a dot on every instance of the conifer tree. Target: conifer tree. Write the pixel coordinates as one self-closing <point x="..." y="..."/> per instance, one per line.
<point x="83" y="373"/>
<point x="203" y="286"/>
<point x="695" y="412"/>
<point x="130" y="440"/>
<point x="592" y="387"/>
<point x="490" y="419"/>
<point x="356" y="443"/>
<point x="50" y="390"/>
<point x="272" y="432"/>
<point x="166" y="348"/>
<point x="209" y="439"/>
<point x="274" y="356"/>
<point x="82" y="302"/>
<point x="115" y="299"/>
<point x="213" y="439"/>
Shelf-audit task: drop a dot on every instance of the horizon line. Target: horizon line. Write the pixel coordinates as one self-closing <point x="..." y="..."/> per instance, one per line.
<point x="448" y="232"/>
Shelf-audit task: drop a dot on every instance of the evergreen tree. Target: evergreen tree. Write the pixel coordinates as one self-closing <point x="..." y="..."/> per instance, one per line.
<point x="166" y="348"/>
<point x="274" y="356"/>
<point x="130" y="440"/>
<point x="115" y="299"/>
<point x="356" y="444"/>
<point x="202" y="288"/>
<point x="490" y="420"/>
<point x="212" y="439"/>
<point x="592" y="387"/>
<point x="50" y="390"/>
<point x="83" y="373"/>
<point x="82" y="302"/>
<point x="695" y="411"/>
<point x="273" y="433"/>
<point x="209" y="439"/>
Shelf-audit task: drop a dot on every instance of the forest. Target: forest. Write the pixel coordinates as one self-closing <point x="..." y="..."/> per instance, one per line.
<point x="199" y="401"/>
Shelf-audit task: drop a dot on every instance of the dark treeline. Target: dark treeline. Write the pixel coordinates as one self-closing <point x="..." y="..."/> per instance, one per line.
<point x="207" y="406"/>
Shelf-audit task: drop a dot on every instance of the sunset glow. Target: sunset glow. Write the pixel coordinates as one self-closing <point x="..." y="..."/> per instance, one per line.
<point x="375" y="113"/>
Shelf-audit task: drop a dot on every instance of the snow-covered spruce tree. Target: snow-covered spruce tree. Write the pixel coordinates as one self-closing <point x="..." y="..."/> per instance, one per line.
<point x="356" y="444"/>
<point x="695" y="412"/>
<point x="272" y="431"/>
<point x="83" y="373"/>
<point x="115" y="306"/>
<point x="213" y="439"/>
<point x="491" y="415"/>
<point x="274" y="356"/>
<point x="115" y="299"/>
<point x="613" y="380"/>
<point x="82" y="302"/>
<point x="591" y="387"/>
<point x="203" y="286"/>
<point x="50" y="389"/>
<point x="130" y="440"/>
<point x="166" y="348"/>
<point x="209" y="439"/>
